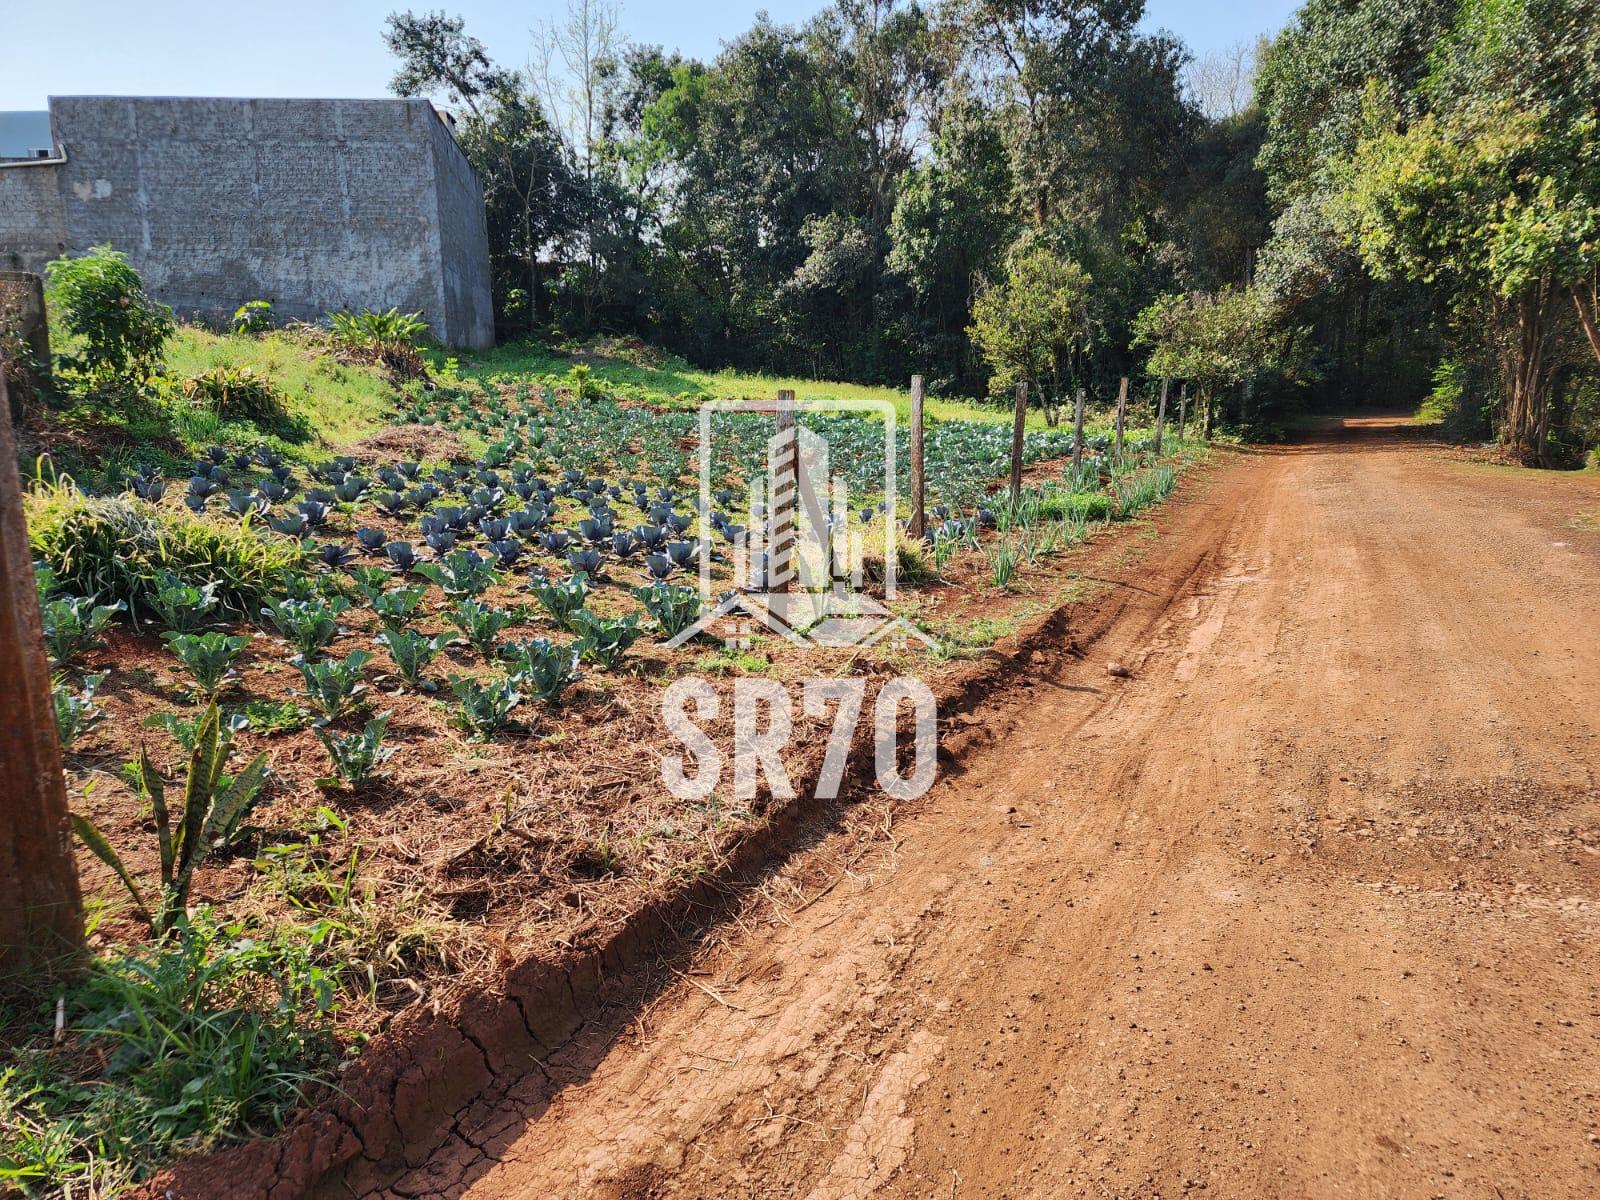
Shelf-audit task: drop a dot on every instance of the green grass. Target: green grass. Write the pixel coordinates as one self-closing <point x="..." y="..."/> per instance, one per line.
<point x="341" y="403"/>
<point x="674" y="382"/>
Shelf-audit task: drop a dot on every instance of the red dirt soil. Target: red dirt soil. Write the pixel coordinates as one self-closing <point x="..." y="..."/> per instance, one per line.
<point x="1305" y="907"/>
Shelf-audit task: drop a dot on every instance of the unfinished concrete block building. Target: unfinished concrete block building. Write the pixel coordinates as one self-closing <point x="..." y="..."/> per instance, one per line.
<point x="315" y="205"/>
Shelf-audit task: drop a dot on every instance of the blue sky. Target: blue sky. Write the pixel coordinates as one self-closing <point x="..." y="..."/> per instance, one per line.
<point x="332" y="47"/>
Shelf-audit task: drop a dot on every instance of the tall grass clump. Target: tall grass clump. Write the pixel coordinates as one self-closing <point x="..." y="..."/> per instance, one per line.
<point x="1139" y="492"/>
<point x="123" y="548"/>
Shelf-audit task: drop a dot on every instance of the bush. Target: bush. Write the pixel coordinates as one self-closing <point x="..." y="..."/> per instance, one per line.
<point x="253" y="316"/>
<point x="236" y="393"/>
<point x="102" y="300"/>
<point x="388" y="339"/>
<point x="120" y="548"/>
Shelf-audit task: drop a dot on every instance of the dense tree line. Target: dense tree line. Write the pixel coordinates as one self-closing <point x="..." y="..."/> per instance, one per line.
<point x="1400" y="203"/>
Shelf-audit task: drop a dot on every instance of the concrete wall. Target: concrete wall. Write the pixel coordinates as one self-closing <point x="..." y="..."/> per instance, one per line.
<point x="464" y="242"/>
<point x="33" y="225"/>
<point x="315" y="205"/>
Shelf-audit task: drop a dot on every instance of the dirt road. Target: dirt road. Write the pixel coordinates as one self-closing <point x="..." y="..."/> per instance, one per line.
<point x="1306" y="908"/>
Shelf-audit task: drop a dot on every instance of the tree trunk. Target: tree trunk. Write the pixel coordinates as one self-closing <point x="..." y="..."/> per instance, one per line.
<point x="1527" y="365"/>
<point x="1586" y="299"/>
<point x="41" y="910"/>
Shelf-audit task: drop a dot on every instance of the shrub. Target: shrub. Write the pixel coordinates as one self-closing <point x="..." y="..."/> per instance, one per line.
<point x="356" y="757"/>
<point x="236" y="393"/>
<point x="124" y="549"/>
<point x="253" y="316"/>
<point x="102" y="300"/>
<point x="388" y="339"/>
<point x="214" y="805"/>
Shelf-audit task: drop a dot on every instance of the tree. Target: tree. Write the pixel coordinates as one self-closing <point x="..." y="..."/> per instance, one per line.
<point x="530" y="197"/>
<point x="1035" y="325"/>
<point x="1493" y="195"/>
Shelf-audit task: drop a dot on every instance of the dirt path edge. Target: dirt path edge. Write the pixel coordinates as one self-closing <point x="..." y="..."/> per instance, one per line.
<point x="399" y="1102"/>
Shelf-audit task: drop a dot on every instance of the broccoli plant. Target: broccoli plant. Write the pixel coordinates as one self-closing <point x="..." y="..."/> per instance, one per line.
<point x="412" y="652"/>
<point x="542" y="669"/>
<point x="182" y="607"/>
<point x="209" y="657"/>
<point x="479" y="624"/>
<point x="485" y="706"/>
<point x="461" y="573"/>
<point x="214" y="805"/>
<point x="307" y="624"/>
<point x="604" y="640"/>
<point x="396" y="607"/>
<point x="335" y="685"/>
<point x="561" y="598"/>
<point x="356" y="757"/>
<point x="73" y="624"/>
<point x="673" y="609"/>
<point x="75" y="710"/>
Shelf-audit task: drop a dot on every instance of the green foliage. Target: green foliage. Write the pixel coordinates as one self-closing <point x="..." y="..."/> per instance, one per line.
<point x="308" y="625"/>
<point x="412" y="652"/>
<point x="123" y="548"/>
<point x="542" y="669"/>
<point x="1003" y="559"/>
<point x="236" y="394"/>
<point x="252" y="317"/>
<point x="212" y="808"/>
<point x="377" y="331"/>
<point x="396" y="607"/>
<point x="561" y="598"/>
<point x="1139" y="492"/>
<point x="461" y="573"/>
<point x="335" y="686"/>
<point x="604" y="640"/>
<point x="74" y="707"/>
<point x="356" y="757"/>
<point x="673" y="609"/>
<point x="479" y="624"/>
<point x="209" y="1037"/>
<point x="583" y="383"/>
<point x="73" y="624"/>
<point x="484" y="706"/>
<point x="1035" y="325"/>
<point x="101" y="300"/>
<point x="182" y="607"/>
<point x="209" y="657"/>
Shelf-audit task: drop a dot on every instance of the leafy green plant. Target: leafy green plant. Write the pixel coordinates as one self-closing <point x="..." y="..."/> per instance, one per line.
<point x="209" y="657"/>
<point x="212" y="809"/>
<point x="272" y="716"/>
<point x="479" y="624"/>
<point x="485" y="706"/>
<point x="73" y="624"/>
<point x="123" y="548"/>
<point x="182" y="730"/>
<point x="368" y="330"/>
<point x="75" y="710"/>
<point x="1143" y="490"/>
<point x="673" y="609"/>
<point x="561" y="598"/>
<point x="542" y="669"/>
<point x="461" y="573"/>
<point x="412" y="652"/>
<point x="181" y="606"/>
<point x="604" y="640"/>
<point x="335" y="685"/>
<point x="308" y="625"/>
<point x="101" y="300"/>
<point x="1003" y="559"/>
<point x="356" y="757"/>
<point x="369" y="581"/>
<point x="396" y="607"/>
<point x="236" y="393"/>
<point x="253" y="316"/>
<point x="213" y="1035"/>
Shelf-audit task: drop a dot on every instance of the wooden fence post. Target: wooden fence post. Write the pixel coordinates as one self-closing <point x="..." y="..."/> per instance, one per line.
<point x="1018" y="420"/>
<point x="1161" y="415"/>
<point x="782" y="487"/>
<point x="919" y="510"/>
<point x="1122" y="415"/>
<point x="1077" y="438"/>
<point x="41" y="908"/>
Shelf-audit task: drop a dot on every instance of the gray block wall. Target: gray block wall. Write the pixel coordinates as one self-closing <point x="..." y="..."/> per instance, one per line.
<point x="315" y="205"/>
<point x="33" y="225"/>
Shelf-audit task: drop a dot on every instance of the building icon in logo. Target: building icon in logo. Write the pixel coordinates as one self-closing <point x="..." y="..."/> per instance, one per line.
<point x="798" y="566"/>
